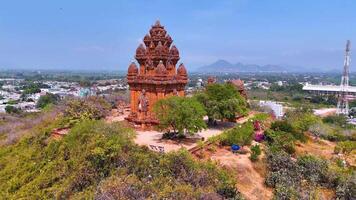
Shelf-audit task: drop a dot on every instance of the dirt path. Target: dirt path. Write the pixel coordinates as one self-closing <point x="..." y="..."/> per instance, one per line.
<point x="250" y="182"/>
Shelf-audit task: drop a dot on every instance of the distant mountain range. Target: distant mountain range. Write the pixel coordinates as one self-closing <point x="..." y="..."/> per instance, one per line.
<point x="224" y="66"/>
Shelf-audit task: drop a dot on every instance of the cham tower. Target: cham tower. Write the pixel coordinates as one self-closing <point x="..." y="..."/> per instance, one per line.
<point x="156" y="76"/>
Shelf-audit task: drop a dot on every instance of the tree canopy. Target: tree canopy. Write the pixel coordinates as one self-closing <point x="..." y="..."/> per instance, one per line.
<point x="180" y="114"/>
<point x="47" y="99"/>
<point x="12" y="109"/>
<point x="222" y="101"/>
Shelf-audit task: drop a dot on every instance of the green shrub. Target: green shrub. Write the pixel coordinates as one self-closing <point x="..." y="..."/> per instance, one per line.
<point x="12" y="110"/>
<point x="260" y="117"/>
<point x="339" y="120"/>
<point x="285" y="192"/>
<point x="313" y="169"/>
<point x="282" y="125"/>
<point x="346" y="189"/>
<point x="283" y="171"/>
<point x="335" y="136"/>
<point x="301" y="119"/>
<point x="255" y="152"/>
<point x="345" y="147"/>
<point x="47" y="99"/>
<point x="279" y="140"/>
<point x="240" y="135"/>
<point x="286" y="127"/>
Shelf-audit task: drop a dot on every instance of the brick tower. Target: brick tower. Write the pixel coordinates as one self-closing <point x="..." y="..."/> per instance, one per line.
<point x="156" y="77"/>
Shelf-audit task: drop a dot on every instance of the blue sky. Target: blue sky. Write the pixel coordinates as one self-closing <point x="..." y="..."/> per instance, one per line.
<point x="103" y="35"/>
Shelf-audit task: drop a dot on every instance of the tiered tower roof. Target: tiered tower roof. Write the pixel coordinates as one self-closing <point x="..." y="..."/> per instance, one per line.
<point x="157" y="59"/>
<point x="157" y="46"/>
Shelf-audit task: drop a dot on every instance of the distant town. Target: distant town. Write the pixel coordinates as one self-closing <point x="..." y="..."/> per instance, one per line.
<point x="23" y="90"/>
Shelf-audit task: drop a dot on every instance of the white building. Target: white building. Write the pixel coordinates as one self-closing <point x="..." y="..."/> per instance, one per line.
<point x="275" y="107"/>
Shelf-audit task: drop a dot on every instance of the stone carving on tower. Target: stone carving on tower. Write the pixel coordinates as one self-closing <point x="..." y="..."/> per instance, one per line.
<point x="156" y="77"/>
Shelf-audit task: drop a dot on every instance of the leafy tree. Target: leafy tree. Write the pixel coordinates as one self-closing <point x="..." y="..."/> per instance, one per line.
<point x="317" y="99"/>
<point x="291" y="88"/>
<point x="222" y="101"/>
<point x="47" y="99"/>
<point x="31" y="88"/>
<point x="12" y="109"/>
<point x="180" y="114"/>
<point x="84" y="83"/>
<point x="331" y="100"/>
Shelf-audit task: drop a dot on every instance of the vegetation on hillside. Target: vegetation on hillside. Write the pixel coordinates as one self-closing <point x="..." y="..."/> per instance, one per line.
<point x="90" y="108"/>
<point x="305" y="176"/>
<point x="96" y="160"/>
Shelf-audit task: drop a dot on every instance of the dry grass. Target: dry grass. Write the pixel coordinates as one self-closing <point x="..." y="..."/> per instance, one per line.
<point x="250" y="176"/>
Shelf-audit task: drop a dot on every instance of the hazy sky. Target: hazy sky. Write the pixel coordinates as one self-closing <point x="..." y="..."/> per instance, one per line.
<point x="103" y="35"/>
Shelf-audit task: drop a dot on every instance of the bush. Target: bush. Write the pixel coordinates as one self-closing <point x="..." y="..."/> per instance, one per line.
<point x="320" y="130"/>
<point x="285" y="192"/>
<point x="282" y="125"/>
<point x="240" y="135"/>
<point x="339" y="120"/>
<point x="347" y="188"/>
<point x="313" y="169"/>
<point x="286" y="127"/>
<point x="255" y="152"/>
<point x="90" y="108"/>
<point x="47" y="99"/>
<point x="301" y="119"/>
<point x="335" y="136"/>
<point x="12" y="110"/>
<point x="279" y="140"/>
<point x="297" y="97"/>
<point x="283" y="171"/>
<point x="345" y="147"/>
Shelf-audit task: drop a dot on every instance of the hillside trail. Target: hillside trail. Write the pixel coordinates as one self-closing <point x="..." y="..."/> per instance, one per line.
<point x="250" y="176"/>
